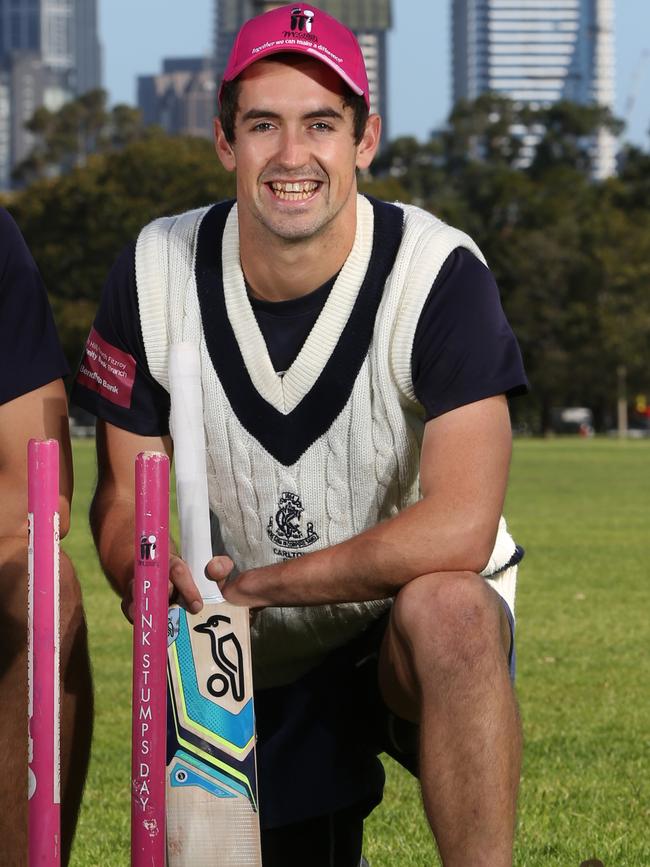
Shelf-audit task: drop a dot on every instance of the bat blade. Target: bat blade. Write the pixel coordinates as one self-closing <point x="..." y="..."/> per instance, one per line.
<point x="211" y="775"/>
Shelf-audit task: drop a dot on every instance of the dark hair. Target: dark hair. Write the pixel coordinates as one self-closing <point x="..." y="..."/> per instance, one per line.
<point x="230" y="106"/>
<point x="361" y="112"/>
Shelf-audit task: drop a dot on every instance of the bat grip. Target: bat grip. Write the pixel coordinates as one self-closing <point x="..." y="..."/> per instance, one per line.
<point x="188" y="433"/>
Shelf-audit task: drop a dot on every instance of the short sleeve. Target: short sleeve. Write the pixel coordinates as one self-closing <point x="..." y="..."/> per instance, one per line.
<point x="30" y="352"/>
<point x="464" y="349"/>
<point x="113" y="380"/>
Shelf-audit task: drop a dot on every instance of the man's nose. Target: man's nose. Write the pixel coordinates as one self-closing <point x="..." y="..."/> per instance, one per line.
<point x="293" y="148"/>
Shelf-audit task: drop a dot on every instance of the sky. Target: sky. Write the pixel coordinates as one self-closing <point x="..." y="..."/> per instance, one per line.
<point x="137" y="34"/>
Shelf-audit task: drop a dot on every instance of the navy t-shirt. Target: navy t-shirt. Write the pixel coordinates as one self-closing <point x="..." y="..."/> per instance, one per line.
<point x="464" y="349"/>
<point x="30" y="353"/>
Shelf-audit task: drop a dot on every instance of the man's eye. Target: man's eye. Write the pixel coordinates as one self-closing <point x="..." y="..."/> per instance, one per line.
<point x="321" y="125"/>
<point x="262" y="126"/>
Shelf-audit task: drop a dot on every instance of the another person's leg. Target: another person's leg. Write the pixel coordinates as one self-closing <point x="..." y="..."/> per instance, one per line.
<point x="444" y="664"/>
<point x="13" y="717"/>
<point x="76" y="703"/>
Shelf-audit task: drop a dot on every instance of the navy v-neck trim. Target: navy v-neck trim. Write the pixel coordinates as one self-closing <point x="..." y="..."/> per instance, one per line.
<point x="288" y="436"/>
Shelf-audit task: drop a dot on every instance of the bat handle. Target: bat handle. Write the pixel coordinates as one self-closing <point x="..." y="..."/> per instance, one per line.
<point x="190" y="461"/>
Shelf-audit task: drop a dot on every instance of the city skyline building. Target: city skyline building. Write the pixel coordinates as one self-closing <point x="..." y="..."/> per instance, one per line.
<point x="537" y="52"/>
<point x="370" y="20"/>
<point x="182" y="98"/>
<point x="87" y="47"/>
<point x="49" y="53"/>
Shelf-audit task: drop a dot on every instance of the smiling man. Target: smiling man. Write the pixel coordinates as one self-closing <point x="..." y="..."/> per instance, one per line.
<point x="295" y="159"/>
<point x="355" y="365"/>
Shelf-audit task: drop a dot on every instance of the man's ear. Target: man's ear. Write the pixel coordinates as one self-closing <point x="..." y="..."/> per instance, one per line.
<point x="367" y="147"/>
<point x="223" y="148"/>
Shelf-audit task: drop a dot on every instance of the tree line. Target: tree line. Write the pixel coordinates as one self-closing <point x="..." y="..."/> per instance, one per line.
<point x="571" y="255"/>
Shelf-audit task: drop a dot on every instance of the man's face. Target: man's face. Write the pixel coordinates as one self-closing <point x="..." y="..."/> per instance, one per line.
<point x="294" y="150"/>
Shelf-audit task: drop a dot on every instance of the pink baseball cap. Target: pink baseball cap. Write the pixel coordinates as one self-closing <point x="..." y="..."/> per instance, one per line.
<point x="303" y="30"/>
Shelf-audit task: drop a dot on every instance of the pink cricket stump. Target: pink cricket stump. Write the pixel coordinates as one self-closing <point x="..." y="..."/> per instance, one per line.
<point x="149" y="732"/>
<point x="43" y="772"/>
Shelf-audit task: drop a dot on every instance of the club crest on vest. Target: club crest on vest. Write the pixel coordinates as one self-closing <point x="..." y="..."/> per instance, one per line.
<point x="285" y="530"/>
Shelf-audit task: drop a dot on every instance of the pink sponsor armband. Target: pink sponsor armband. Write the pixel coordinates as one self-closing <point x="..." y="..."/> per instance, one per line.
<point x="107" y="370"/>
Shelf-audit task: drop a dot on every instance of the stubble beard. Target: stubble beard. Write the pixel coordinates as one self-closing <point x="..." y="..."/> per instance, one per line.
<point x="299" y="228"/>
<point x="295" y="227"/>
<point x="293" y="231"/>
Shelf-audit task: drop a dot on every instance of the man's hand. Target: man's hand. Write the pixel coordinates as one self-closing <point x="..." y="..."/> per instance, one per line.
<point x="181" y="586"/>
<point x="250" y="589"/>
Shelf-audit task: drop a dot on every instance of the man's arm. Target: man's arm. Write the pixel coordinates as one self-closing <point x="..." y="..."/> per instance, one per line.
<point x="39" y="414"/>
<point x="463" y="474"/>
<point x="112" y="512"/>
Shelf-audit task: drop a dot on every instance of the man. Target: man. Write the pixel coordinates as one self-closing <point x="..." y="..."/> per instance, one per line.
<point x="355" y="362"/>
<point x="33" y="404"/>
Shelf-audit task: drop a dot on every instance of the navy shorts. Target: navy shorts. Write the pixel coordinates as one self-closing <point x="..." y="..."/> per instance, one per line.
<point x="319" y="739"/>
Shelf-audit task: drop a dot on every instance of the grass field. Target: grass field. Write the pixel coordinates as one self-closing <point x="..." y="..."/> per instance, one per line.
<point x="580" y="508"/>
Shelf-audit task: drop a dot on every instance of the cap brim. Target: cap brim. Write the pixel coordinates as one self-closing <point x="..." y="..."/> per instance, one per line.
<point x="309" y="52"/>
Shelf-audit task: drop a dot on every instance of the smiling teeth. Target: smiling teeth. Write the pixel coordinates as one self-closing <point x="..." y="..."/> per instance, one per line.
<point x="295" y="190"/>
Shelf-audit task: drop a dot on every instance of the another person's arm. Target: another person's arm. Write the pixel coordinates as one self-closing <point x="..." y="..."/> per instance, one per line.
<point x="39" y="414"/>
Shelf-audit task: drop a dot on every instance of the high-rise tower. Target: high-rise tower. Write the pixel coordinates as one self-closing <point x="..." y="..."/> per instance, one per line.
<point x="182" y="98"/>
<point x="49" y="53"/>
<point x="537" y="52"/>
<point x="87" y="49"/>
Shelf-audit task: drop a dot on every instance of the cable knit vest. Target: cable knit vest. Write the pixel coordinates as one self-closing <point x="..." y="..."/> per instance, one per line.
<point x="362" y="469"/>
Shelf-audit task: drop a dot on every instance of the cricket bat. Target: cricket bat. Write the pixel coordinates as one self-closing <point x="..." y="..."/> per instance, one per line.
<point x="149" y="705"/>
<point x="43" y="643"/>
<point x="212" y="804"/>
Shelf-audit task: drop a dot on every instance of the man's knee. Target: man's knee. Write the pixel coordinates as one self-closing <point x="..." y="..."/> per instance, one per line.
<point x="447" y="621"/>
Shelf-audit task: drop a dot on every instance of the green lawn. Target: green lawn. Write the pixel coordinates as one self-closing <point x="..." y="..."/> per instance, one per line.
<point x="580" y="508"/>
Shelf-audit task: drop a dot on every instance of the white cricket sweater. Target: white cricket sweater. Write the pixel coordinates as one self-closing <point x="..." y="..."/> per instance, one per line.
<point x="363" y="466"/>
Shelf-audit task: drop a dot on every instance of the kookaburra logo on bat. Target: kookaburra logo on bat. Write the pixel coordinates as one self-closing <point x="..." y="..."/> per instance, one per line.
<point x="228" y="656"/>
